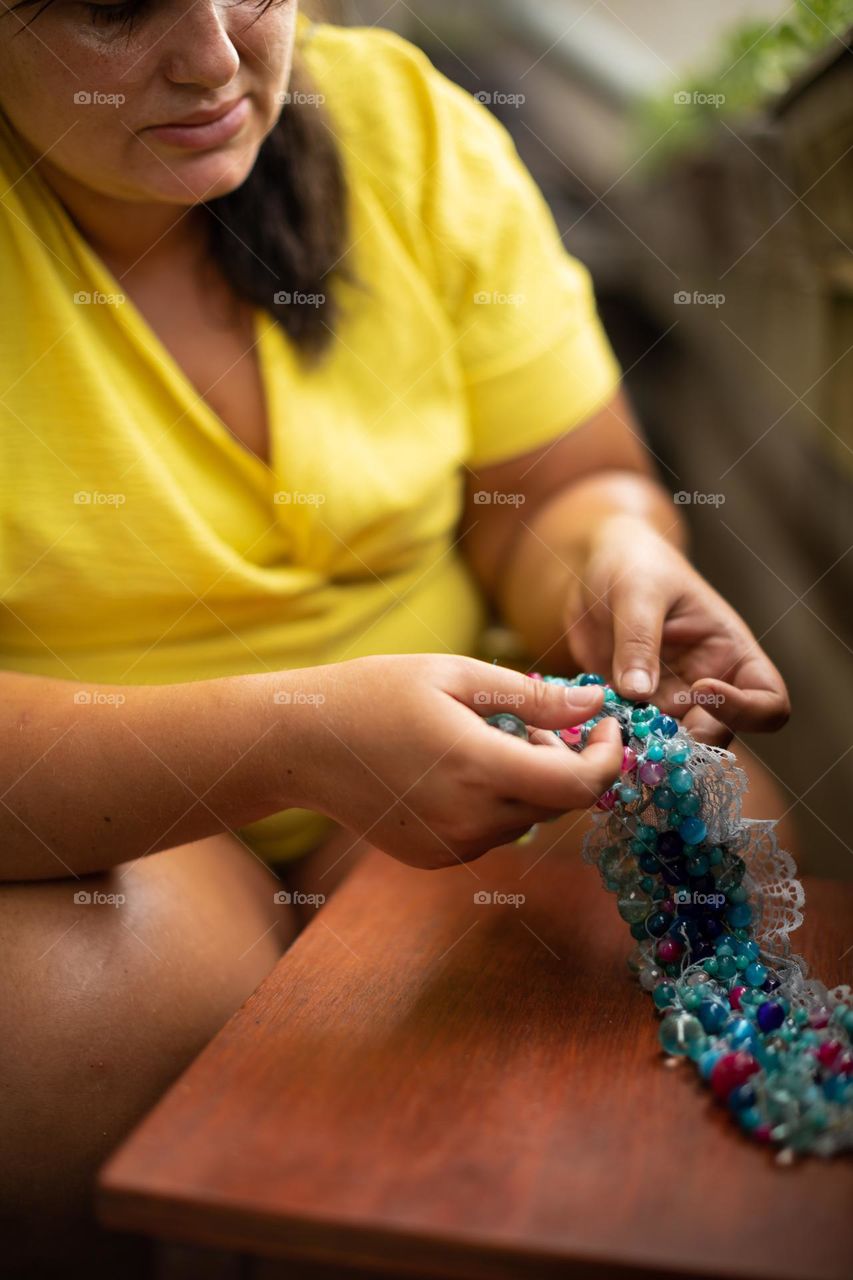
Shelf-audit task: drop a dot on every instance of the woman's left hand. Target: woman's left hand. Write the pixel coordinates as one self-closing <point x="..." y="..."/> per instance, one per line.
<point x="639" y="607"/>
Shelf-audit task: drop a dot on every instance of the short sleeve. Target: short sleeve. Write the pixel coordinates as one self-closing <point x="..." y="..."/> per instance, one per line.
<point x="535" y="359"/>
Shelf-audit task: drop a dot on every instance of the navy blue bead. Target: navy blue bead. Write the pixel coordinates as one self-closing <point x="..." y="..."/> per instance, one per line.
<point x="712" y="926"/>
<point x="743" y="1095"/>
<point x="649" y="863"/>
<point x="669" y="844"/>
<point x="770" y="1015"/>
<point x="658" y="923"/>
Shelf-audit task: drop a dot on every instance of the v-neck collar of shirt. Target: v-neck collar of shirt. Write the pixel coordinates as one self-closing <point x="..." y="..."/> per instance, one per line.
<point x="157" y="354"/>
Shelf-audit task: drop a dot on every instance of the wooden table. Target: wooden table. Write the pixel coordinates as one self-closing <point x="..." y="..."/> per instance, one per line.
<point x="428" y="1085"/>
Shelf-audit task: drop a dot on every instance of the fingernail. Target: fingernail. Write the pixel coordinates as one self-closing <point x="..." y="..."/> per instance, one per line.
<point x="638" y="680"/>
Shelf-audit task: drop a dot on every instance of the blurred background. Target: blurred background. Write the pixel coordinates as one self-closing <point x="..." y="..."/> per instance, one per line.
<point x="699" y="159"/>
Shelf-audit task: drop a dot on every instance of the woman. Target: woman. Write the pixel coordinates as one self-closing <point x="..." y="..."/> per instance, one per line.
<point x="298" y="378"/>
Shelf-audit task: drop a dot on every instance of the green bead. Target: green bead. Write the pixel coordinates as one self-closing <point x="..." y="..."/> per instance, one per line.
<point x="712" y="966"/>
<point x="633" y="906"/>
<point x="726" y="966"/>
<point x="508" y="723"/>
<point x="664" y="994"/>
<point x="681" y="1034"/>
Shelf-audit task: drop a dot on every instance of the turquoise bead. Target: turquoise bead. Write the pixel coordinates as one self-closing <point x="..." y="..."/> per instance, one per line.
<point x="643" y="715"/>
<point x="610" y="695"/>
<point x="640" y="730"/>
<point x="663" y="798"/>
<point x="726" y="966"/>
<point x="689" y="805"/>
<point x="591" y="678"/>
<point x="712" y="966"/>
<point x="707" y="1061"/>
<point x="749" y="1117"/>
<point x="697" y="866"/>
<point x="628" y="794"/>
<point x="655" y="752"/>
<point x="680" y="781"/>
<point x="678" y="752"/>
<point x="645" y="832"/>
<point x="739" y="915"/>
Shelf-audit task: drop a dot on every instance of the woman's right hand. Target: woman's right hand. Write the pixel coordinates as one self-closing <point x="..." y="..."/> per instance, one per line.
<point x="397" y="748"/>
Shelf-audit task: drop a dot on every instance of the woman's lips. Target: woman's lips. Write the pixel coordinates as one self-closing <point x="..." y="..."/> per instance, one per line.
<point x="198" y="137"/>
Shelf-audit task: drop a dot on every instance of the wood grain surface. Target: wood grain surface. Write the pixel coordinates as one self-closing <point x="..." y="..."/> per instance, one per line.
<point x="436" y="1086"/>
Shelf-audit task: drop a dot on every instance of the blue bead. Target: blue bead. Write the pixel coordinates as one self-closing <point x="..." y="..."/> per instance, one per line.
<point x="658" y="923"/>
<point x="665" y="726"/>
<point x="680" y="781"/>
<point x="741" y="1033"/>
<point x="707" y="1061"/>
<point x="590" y="678"/>
<point x="692" y="830"/>
<point x="743" y="1095"/>
<point x="749" y="1117"/>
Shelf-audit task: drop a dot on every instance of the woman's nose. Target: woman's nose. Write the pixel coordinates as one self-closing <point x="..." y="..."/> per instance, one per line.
<point x="198" y="47"/>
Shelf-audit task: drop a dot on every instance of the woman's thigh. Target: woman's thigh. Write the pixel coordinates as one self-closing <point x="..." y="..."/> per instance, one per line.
<point x="112" y="983"/>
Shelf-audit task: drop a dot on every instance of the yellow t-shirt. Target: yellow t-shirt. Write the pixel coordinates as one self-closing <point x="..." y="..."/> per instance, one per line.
<point x="142" y="543"/>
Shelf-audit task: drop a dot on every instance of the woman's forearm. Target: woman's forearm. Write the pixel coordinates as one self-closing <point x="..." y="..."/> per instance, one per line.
<point x="92" y="776"/>
<point x="553" y="546"/>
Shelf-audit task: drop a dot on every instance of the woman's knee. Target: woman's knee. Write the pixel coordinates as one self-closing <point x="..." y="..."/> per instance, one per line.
<point x="114" y="982"/>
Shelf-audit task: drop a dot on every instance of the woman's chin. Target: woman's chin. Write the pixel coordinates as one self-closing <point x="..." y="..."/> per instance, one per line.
<point x="194" y="179"/>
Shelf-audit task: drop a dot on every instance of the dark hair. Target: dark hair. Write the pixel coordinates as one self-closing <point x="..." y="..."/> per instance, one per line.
<point x="280" y="237"/>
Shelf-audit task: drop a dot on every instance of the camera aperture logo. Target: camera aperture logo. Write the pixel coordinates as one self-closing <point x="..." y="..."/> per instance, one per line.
<point x="284" y="897"/>
<point x="695" y="898"/>
<point x="487" y="897"/>
<point x="96" y="898"/>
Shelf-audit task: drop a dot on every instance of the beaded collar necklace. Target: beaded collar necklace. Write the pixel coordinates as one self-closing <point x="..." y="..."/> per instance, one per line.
<point x="710" y="900"/>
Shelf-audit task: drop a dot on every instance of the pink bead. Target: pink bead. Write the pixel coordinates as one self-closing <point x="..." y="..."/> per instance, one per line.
<point x="651" y="772"/>
<point x="735" y="995"/>
<point x="569" y="736"/>
<point x="669" y="950"/>
<point x="761" y="1133"/>
<point x="606" y="801"/>
<point x="667" y="905"/>
<point x="818" y="1018"/>
<point x="844" y="1066"/>
<point x="828" y="1053"/>
<point x="629" y="759"/>
<point x="731" y="1070"/>
<point x="534" y="675"/>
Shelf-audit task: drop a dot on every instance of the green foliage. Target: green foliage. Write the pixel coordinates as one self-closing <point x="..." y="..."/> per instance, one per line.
<point x="756" y="62"/>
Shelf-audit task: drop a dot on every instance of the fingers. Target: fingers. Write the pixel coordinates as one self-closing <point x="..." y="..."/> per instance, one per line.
<point x="744" y="709"/>
<point x="489" y="689"/>
<point x="639" y="611"/>
<point x="558" y="779"/>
